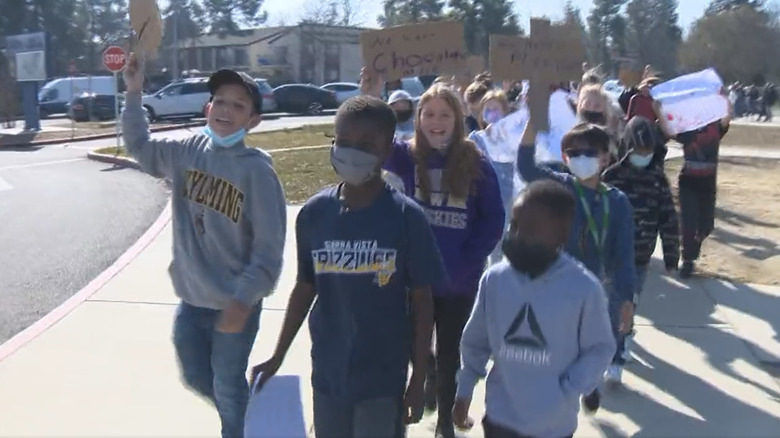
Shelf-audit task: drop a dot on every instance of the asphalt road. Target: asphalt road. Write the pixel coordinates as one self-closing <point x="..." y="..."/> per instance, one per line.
<point x="63" y="220"/>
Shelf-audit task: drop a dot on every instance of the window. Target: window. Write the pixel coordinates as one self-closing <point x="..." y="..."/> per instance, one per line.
<point x="280" y="55"/>
<point x="192" y="58"/>
<point x="207" y="58"/>
<point x="173" y="90"/>
<point x="195" y="87"/>
<point x="264" y="87"/>
<point x="223" y="58"/>
<point x="50" y="94"/>
<point x="242" y="59"/>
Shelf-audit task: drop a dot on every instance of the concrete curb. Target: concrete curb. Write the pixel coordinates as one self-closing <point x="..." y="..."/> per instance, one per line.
<point x="21" y="339"/>
<point x="98" y="136"/>
<point x="116" y="161"/>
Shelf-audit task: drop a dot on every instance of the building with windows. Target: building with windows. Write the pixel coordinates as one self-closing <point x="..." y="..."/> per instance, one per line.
<point x="307" y="53"/>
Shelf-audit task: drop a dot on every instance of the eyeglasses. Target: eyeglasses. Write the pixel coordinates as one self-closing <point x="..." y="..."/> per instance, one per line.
<point x="589" y="152"/>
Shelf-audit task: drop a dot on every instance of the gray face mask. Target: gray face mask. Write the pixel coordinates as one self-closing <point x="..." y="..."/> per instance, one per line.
<point x="352" y="165"/>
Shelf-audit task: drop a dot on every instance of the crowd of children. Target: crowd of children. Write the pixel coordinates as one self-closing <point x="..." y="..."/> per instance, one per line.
<point x="424" y="255"/>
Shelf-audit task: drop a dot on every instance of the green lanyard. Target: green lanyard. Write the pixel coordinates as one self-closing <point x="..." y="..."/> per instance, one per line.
<point x="600" y="239"/>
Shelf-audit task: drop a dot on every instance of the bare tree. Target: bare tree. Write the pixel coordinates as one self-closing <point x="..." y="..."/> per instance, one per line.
<point x="334" y="12"/>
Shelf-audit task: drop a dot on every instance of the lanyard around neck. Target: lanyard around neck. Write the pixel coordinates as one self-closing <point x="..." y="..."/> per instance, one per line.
<point x="599" y="238"/>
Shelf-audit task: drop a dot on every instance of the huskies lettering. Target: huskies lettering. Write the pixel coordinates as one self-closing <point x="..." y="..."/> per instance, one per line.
<point x="213" y="192"/>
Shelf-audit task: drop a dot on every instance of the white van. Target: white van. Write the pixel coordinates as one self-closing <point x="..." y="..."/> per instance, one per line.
<point x="54" y="97"/>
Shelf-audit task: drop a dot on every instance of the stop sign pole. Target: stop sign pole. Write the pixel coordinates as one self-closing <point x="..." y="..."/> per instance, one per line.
<point x="114" y="59"/>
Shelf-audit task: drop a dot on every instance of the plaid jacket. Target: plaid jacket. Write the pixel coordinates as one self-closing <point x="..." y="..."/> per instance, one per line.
<point x="650" y="196"/>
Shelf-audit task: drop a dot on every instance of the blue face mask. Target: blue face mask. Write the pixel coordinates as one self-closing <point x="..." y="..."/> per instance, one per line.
<point x="492" y="116"/>
<point x="640" y="161"/>
<point x="227" y="141"/>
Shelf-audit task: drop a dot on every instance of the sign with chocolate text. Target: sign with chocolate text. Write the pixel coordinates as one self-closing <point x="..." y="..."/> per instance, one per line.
<point x="414" y="50"/>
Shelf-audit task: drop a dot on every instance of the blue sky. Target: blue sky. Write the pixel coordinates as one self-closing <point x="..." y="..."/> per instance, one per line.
<point x="288" y="11"/>
<point x="689" y="10"/>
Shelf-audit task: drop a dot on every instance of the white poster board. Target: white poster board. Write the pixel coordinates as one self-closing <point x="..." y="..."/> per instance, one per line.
<point x="691" y="101"/>
<point x="277" y="410"/>
<point x="31" y="66"/>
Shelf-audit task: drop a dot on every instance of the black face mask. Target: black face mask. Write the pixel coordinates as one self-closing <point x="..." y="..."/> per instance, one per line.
<point x="529" y="258"/>
<point x="593" y="117"/>
<point x="403" y="116"/>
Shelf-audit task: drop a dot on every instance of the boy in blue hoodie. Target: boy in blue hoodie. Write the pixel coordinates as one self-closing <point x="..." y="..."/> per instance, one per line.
<point x="602" y="236"/>
<point x="542" y="317"/>
<point x="368" y="256"/>
<point x="229" y="220"/>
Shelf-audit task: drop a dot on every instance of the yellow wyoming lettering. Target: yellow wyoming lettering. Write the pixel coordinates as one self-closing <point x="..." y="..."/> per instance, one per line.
<point x="356" y="257"/>
<point x="215" y="193"/>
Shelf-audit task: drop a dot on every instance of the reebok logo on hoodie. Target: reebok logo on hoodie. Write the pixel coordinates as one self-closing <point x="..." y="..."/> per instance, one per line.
<point x="524" y="341"/>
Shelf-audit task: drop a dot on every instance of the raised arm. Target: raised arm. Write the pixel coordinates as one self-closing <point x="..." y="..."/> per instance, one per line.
<point x="156" y="157"/>
<point x="527" y="166"/>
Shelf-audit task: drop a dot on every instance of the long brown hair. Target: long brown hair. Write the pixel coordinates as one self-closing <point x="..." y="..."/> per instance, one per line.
<point x="463" y="158"/>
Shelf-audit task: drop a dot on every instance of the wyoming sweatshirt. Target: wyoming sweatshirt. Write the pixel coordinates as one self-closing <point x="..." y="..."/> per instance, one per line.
<point x="229" y="213"/>
<point x="550" y="340"/>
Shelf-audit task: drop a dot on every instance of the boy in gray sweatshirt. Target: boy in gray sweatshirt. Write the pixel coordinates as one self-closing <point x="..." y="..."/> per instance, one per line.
<point x="229" y="220"/>
<point x="542" y="317"/>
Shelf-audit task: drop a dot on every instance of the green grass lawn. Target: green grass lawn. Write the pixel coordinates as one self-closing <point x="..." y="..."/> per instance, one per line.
<point x="303" y="172"/>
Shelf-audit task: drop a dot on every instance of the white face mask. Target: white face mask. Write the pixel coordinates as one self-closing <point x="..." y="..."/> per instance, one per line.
<point x="584" y="167"/>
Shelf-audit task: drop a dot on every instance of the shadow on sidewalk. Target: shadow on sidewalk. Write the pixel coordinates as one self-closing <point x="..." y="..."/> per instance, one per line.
<point x="708" y="411"/>
<point x="700" y="314"/>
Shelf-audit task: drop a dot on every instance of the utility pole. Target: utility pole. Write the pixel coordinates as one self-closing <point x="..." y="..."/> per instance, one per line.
<point x="175" y="16"/>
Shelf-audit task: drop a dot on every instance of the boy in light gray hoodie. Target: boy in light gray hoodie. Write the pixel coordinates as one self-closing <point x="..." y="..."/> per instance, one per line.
<point x="229" y="219"/>
<point x="542" y="317"/>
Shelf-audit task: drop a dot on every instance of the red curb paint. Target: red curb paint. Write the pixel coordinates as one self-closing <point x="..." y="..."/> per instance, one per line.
<point x="22" y="338"/>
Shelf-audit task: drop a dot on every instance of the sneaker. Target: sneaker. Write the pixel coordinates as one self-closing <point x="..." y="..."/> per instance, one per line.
<point x="686" y="271"/>
<point x="628" y="342"/>
<point x="614" y="375"/>
<point x="591" y="402"/>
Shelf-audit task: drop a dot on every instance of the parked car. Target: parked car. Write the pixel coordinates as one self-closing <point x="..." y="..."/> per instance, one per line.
<point x="304" y="99"/>
<point x="184" y="98"/>
<point x="343" y="90"/>
<point x="102" y="106"/>
<point x="54" y="97"/>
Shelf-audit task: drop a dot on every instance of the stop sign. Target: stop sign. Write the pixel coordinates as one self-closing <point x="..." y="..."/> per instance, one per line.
<point x="114" y="58"/>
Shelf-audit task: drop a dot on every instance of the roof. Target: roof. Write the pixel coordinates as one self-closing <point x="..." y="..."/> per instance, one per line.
<point x="251" y="36"/>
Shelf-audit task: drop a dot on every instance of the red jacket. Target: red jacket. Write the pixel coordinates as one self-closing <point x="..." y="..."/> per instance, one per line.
<point x="641" y="105"/>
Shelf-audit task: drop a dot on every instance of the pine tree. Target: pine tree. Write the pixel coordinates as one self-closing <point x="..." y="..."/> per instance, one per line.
<point x="399" y="12"/>
<point x="481" y="18"/>
<point x="188" y="17"/>
<point x="719" y="6"/>
<point x="228" y="16"/>
<point x="653" y="34"/>
<point x="573" y="16"/>
<point x="607" y="29"/>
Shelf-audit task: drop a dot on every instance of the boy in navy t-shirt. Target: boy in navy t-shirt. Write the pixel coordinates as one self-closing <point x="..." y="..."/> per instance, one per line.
<point x="365" y="252"/>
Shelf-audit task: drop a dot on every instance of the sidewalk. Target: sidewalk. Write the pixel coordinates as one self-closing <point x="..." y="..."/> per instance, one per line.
<point x="108" y="368"/>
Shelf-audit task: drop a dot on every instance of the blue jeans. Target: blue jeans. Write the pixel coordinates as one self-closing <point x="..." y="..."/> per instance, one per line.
<point x="214" y="364"/>
<point x="377" y="418"/>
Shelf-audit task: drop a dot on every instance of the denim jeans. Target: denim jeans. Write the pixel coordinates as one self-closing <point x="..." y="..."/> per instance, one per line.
<point x="377" y="418"/>
<point x="214" y="364"/>
<point x="493" y="430"/>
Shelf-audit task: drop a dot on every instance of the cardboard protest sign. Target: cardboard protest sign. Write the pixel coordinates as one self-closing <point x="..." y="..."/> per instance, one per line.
<point x="414" y="50"/>
<point x="629" y="77"/>
<point x="475" y="65"/>
<point x="552" y="54"/>
<point x="146" y="21"/>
